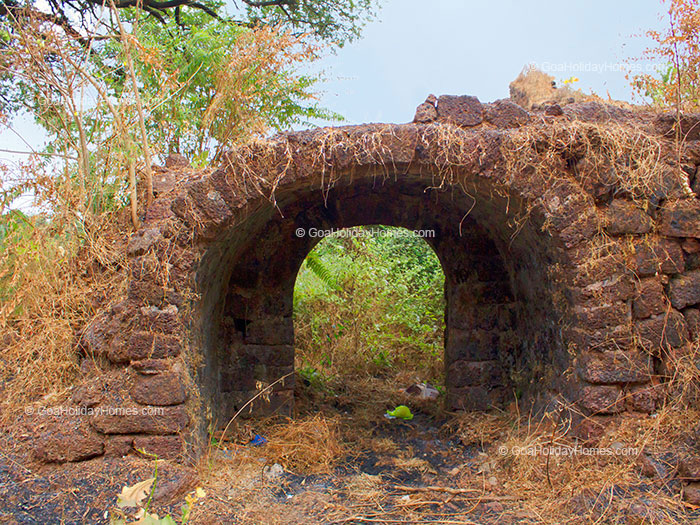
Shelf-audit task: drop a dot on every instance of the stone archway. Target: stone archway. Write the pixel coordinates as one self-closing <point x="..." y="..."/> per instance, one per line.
<point x="564" y="274"/>
<point x="488" y="290"/>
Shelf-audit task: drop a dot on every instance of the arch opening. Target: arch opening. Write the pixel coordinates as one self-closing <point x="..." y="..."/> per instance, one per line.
<point x="369" y="310"/>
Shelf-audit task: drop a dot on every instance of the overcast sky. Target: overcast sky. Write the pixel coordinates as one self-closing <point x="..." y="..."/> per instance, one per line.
<point x="417" y="47"/>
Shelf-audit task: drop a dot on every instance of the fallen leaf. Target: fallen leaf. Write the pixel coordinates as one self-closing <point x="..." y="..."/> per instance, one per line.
<point x="134" y="495"/>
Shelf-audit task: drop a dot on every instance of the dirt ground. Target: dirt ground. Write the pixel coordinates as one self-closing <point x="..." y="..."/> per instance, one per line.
<point x="341" y="461"/>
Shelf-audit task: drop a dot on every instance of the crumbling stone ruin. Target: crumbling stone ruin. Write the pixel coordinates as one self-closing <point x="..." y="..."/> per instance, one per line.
<point x="569" y="238"/>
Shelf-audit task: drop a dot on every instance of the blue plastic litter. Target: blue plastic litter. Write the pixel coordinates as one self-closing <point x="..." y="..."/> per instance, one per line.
<point x="258" y="440"/>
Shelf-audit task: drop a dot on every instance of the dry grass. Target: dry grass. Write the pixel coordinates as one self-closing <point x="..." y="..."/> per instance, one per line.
<point x="54" y="286"/>
<point x="506" y="479"/>
<point x="365" y="487"/>
<point x="478" y="428"/>
<point x="623" y="158"/>
<point x="533" y="87"/>
<point x="306" y="446"/>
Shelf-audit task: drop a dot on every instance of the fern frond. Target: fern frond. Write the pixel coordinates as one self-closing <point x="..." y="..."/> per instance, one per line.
<point x="321" y="270"/>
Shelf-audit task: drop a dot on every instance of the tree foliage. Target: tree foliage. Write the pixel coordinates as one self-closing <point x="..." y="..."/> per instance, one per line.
<point x="335" y="21"/>
<point x="123" y="82"/>
<point x="677" y="84"/>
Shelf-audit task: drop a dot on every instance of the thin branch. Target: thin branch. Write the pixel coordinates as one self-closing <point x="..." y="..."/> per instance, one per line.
<point x="139" y="108"/>
<point x="267" y="3"/>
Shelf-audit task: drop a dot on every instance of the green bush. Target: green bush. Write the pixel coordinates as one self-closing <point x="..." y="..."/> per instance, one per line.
<point x="371" y="303"/>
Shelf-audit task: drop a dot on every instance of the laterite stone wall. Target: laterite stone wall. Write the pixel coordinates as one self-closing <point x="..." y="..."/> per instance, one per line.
<point x="569" y="238"/>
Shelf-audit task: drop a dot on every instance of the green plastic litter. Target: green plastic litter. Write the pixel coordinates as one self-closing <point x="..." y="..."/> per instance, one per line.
<point x="401" y="412"/>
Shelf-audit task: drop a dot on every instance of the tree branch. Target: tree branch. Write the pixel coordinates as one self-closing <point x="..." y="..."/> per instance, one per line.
<point x="268" y="3"/>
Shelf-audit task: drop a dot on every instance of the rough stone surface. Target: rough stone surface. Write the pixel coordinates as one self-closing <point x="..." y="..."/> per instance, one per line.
<point x="684" y="290"/>
<point x="644" y="398"/>
<point x="661" y="256"/>
<point x="426" y="112"/>
<point x="691" y="493"/>
<point x="689" y="467"/>
<point x="460" y="110"/>
<point x="692" y="319"/>
<point x="473" y="398"/>
<point x="506" y="114"/>
<point x="161" y="389"/>
<point x="173" y="482"/>
<point x="475" y="373"/>
<point x="626" y="217"/>
<point x="142" y="240"/>
<point x="681" y="219"/>
<point x="148" y="367"/>
<point x="650" y="300"/>
<point x="67" y="438"/>
<point x="176" y="161"/>
<point x="137" y="419"/>
<point x="591" y="429"/>
<point x="165" y="447"/>
<point x="665" y="124"/>
<point x="604" y="315"/>
<point x="118" y="446"/>
<point x="615" y="367"/>
<point x="147" y="345"/>
<point x="663" y="331"/>
<point x="602" y="399"/>
<point x="656" y="467"/>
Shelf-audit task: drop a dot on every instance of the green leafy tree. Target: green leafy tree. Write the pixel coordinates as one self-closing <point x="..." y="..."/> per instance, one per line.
<point x="220" y="83"/>
<point x="117" y="83"/>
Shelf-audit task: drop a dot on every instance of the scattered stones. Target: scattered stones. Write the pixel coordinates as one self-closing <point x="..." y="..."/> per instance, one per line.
<point x="142" y="240"/>
<point x="173" y="482"/>
<point x="655" y="468"/>
<point x="272" y="472"/>
<point x="691" y="493"/>
<point x="689" y="467"/>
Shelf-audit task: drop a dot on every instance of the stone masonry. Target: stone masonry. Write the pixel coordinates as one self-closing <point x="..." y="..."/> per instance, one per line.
<point x="570" y="285"/>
